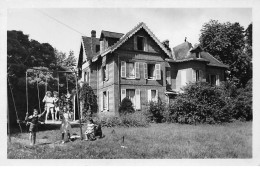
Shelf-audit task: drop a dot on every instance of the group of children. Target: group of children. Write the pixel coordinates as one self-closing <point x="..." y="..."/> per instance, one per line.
<point x="52" y="105"/>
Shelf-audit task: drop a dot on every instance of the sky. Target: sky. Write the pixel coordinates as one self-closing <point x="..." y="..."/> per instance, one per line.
<point x="63" y="27"/>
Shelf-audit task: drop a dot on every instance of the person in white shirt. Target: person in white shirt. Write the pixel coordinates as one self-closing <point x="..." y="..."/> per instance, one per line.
<point x="65" y="124"/>
<point x="49" y="105"/>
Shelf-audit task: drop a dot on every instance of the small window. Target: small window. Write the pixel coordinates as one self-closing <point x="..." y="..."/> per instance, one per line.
<point x="198" y="55"/>
<point x="85" y="76"/>
<point x="197" y="75"/>
<point x="104" y="73"/>
<point x="140" y="43"/>
<point x="151" y="71"/>
<point x="97" y="48"/>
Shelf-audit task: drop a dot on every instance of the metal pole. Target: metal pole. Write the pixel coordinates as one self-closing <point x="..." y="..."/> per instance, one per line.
<point x="79" y="114"/>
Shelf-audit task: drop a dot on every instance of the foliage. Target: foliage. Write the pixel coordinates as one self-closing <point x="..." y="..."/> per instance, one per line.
<point x="24" y="53"/>
<point x="156" y="111"/>
<point x="88" y="99"/>
<point x="126" y="106"/>
<point x="137" y="119"/>
<point x="200" y="103"/>
<point x="242" y="104"/>
<point x="226" y="41"/>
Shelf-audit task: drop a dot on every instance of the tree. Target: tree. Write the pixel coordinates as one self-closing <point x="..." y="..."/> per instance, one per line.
<point x="226" y="42"/>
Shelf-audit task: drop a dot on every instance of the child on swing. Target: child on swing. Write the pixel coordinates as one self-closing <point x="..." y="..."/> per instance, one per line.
<point x="65" y="125"/>
<point x="33" y="121"/>
<point x="49" y="106"/>
<point x="56" y="101"/>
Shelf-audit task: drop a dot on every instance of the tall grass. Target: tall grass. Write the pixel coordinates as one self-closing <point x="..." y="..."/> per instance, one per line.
<point x="173" y="141"/>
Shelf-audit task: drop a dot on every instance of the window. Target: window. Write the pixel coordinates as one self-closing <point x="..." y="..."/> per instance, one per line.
<point x="151" y="71"/>
<point x="140" y="43"/>
<point x="134" y="95"/>
<point x="168" y="77"/>
<point x="105" y="74"/>
<point x="97" y="48"/>
<point x="105" y="101"/>
<point x="130" y="70"/>
<point x="152" y="95"/>
<point x="85" y="76"/>
<point x="213" y="79"/>
<point x="130" y="94"/>
<point x="198" y="55"/>
<point x="197" y="75"/>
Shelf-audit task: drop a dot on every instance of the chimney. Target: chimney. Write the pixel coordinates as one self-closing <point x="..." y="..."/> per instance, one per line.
<point x="93" y="33"/>
<point x="166" y="44"/>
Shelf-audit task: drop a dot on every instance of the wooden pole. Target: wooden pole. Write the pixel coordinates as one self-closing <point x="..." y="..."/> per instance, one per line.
<point x="79" y="114"/>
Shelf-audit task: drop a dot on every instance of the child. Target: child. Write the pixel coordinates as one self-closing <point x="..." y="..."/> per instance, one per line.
<point x="65" y="124"/>
<point x="56" y="105"/>
<point x="33" y="120"/>
<point x="49" y="106"/>
<point x="89" y="133"/>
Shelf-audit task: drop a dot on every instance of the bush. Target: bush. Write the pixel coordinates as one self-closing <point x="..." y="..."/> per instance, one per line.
<point x="200" y="103"/>
<point x="156" y="111"/>
<point x="126" y="107"/>
<point x="137" y="119"/>
<point x="242" y="104"/>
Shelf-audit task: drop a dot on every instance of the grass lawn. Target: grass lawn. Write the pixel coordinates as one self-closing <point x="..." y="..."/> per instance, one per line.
<point x="159" y="141"/>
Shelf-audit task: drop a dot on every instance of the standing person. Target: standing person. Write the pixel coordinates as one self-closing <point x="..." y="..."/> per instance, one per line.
<point x="33" y="121"/>
<point x="49" y="106"/>
<point x="65" y="125"/>
<point x="56" y="101"/>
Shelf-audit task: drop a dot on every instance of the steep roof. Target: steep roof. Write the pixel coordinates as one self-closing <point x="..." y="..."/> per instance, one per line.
<point x="111" y="34"/>
<point x="128" y="35"/>
<point x="89" y="45"/>
<point x="185" y="52"/>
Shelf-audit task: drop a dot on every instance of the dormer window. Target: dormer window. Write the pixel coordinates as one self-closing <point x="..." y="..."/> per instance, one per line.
<point x="198" y="55"/>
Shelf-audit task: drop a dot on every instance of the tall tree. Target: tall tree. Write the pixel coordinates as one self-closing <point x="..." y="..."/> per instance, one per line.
<point x="226" y="42"/>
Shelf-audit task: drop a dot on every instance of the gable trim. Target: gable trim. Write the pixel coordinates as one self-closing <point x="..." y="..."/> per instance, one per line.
<point x="128" y="35"/>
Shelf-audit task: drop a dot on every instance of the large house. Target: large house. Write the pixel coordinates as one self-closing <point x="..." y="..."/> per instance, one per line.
<point x="138" y="66"/>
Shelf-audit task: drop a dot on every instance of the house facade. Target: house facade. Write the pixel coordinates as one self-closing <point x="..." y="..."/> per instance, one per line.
<point x="138" y="66"/>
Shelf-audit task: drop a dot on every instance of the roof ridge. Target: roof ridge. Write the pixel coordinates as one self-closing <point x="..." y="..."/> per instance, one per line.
<point x="111" y="32"/>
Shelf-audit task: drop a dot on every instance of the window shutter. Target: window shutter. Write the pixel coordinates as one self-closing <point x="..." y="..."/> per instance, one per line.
<point x="135" y="42"/>
<point x="101" y="102"/>
<point x="145" y="71"/>
<point x="137" y="70"/>
<point x="123" y="69"/>
<point x="158" y="71"/>
<point x="168" y="77"/>
<point x="149" y="95"/>
<point x="137" y="99"/>
<point x="107" y="71"/>
<point x="107" y="101"/>
<point x="217" y="80"/>
<point x="193" y="75"/>
<point x="123" y="94"/>
<point x="200" y="75"/>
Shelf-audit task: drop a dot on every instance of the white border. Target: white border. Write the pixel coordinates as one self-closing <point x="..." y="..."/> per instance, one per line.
<point x="254" y="4"/>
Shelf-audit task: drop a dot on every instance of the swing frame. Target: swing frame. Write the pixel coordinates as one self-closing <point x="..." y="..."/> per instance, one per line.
<point x="73" y="71"/>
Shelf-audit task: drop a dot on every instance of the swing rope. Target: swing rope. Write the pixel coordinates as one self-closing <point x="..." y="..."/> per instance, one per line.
<point x="27" y="108"/>
<point x="14" y="105"/>
<point x="67" y="83"/>
<point x="58" y="84"/>
<point x="39" y="95"/>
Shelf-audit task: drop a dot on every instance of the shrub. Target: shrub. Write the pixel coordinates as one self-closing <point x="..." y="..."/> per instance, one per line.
<point x="110" y="121"/>
<point x="137" y="119"/>
<point x="242" y="104"/>
<point x="156" y="111"/>
<point x="199" y="103"/>
<point x="126" y="106"/>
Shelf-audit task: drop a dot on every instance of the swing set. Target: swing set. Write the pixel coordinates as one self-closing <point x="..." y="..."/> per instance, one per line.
<point x="38" y="70"/>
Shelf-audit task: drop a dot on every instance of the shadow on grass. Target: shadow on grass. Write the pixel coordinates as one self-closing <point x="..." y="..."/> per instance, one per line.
<point x="41" y="127"/>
